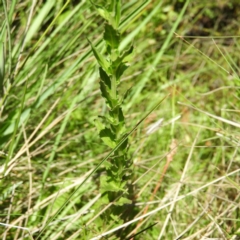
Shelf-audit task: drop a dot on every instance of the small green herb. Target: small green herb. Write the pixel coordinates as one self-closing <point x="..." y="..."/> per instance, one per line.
<point x="111" y="127"/>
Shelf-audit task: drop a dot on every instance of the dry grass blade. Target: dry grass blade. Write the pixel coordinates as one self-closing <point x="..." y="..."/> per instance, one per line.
<point x="169" y="159"/>
<point x="166" y="205"/>
<point x="178" y="187"/>
<point x="235" y="124"/>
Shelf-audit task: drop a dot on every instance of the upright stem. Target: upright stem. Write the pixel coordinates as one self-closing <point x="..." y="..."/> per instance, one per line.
<point x="112" y="129"/>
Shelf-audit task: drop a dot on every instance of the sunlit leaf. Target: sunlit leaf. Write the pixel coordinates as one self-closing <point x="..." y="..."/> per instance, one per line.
<point x="107" y="137"/>
<point x="123" y="201"/>
<point x="100" y="58"/>
<point x="111" y="36"/>
<point x="110" y="186"/>
<point x="120" y="70"/>
<point x="103" y="12"/>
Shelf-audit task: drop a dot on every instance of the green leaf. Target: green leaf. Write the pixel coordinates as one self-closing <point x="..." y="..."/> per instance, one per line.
<point x="111" y="36"/>
<point x="126" y="94"/>
<point x="108" y="138"/>
<point x="121" y="118"/>
<point x="107" y="165"/>
<point x="109" y="185"/>
<point x="105" y="78"/>
<point x="115" y="218"/>
<point x="124" y="145"/>
<point x="103" y="200"/>
<point x="123" y="201"/>
<point x="103" y="12"/>
<point x="107" y="119"/>
<point x="117" y="114"/>
<point x="128" y="54"/>
<point x="106" y="94"/>
<point x="99" y="125"/>
<point x="119" y="65"/>
<point x="120" y="70"/>
<point x="105" y="134"/>
<point x="101" y="60"/>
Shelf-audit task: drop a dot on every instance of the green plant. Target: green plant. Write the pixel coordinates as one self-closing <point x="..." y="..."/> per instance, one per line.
<point x="111" y="127"/>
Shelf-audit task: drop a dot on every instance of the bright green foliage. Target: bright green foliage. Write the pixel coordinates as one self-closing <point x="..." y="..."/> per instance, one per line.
<point x="111" y="127"/>
<point x="111" y="13"/>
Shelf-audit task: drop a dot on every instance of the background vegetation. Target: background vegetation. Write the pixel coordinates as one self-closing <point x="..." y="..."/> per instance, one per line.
<point x="185" y="179"/>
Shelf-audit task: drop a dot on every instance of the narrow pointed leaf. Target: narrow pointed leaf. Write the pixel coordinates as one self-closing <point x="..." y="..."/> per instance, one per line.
<point x="103" y="12"/>
<point x="107" y="137"/>
<point x="105" y="78"/>
<point x="101" y="60"/>
<point x="106" y="94"/>
<point x="120" y="70"/>
<point x="124" y="58"/>
<point x="111" y="36"/>
<point x="127" y="55"/>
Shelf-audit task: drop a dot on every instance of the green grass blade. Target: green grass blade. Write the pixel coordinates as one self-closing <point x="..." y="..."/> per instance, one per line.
<point x="2" y="67"/>
<point x="138" y="87"/>
<point x="131" y="35"/>
<point x="16" y="127"/>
